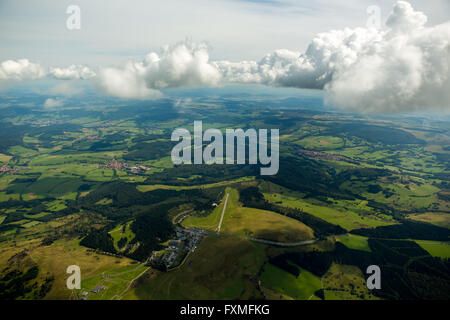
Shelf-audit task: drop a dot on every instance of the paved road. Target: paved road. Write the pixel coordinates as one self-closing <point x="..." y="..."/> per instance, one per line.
<point x="284" y="244"/>
<point x="180" y="214"/>
<point x="223" y="213"/>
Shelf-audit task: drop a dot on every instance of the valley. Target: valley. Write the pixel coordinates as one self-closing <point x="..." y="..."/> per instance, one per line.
<point x="95" y="187"/>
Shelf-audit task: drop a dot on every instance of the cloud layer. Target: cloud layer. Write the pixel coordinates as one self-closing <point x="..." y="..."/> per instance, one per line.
<point x="404" y="66"/>
<point x="23" y="69"/>
<point x="183" y="64"/>
<point x="72" y="72"/>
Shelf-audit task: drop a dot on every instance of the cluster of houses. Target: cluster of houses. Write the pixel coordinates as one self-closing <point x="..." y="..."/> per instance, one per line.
<point x="7" y="169"/>
<point x="97" y="289"/>
<point x="124" y="166"/>
<point x="91" y="138"/>
<point x="138" y="169"/>
<point x="186" y="241"/>
<point x="43" y="123"/>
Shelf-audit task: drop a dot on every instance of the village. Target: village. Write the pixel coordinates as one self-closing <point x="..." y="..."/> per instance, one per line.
<point x="186" y="242"/>
<point x="44" y="123"/>
<point x="7" y="169"/>
<point x="124" y="166"/>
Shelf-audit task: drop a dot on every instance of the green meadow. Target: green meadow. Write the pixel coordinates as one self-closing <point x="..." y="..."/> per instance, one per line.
<point x="347" y="219"/>
<point x="301" y="288"/>
<point x="222" y="267"/>
<point x="59" y="197"/>
<point x="321" y="143"/>
<point x="436" y="248"/>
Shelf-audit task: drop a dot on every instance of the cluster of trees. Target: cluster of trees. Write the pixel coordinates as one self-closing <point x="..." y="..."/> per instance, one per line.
<point x="150" y="229"/>
<point x="125" y="198"/>
<point x="408" y="271"/>
<point x="319" y="181"/>
<point x="47" y="133"/>
<point x="15" y="284"/>
<point x="110" y="142"/>
<point x="313" y="261"/>
<point x="32" y="207"/>
<point x="124" y="195"/>
<point x="122" y="242"/>
<point x="10" y="135"/>
<point x="143" y="151"/>
<point x="45" y="287"/>
<point x="305" y="175"/>
<point x="407" y="230"/>
<point x="183" y="174"/>
<point x="148" y="210"/>
<point x="99" y="239"/>
<point x="373" y="133"/>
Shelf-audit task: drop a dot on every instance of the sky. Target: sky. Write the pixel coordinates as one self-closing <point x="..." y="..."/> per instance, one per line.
<point x="135" y="49"/>
<point x="114" y="31"/>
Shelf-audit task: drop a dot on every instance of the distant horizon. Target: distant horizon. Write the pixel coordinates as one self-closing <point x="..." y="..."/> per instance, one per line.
<point x="388" y="57"/>
<point x="305" y="99"/>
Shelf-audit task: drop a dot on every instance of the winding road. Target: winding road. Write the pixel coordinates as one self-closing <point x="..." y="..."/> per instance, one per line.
<point x="284" y="244"/>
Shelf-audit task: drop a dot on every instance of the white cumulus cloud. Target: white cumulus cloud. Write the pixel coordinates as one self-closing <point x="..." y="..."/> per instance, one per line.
<point x="402" y="67"/>
<point x="21" y="69"/>
<point x="52" y="103"/>
<point x="72" y="72"/>
<point x="182" y="64"/>
<point x="126" y="82"/>
<point x="405" y="66"/>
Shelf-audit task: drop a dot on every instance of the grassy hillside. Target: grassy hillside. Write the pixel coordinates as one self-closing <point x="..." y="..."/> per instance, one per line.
<point x="222" y="267"/>
<point x="266" y="225"/>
